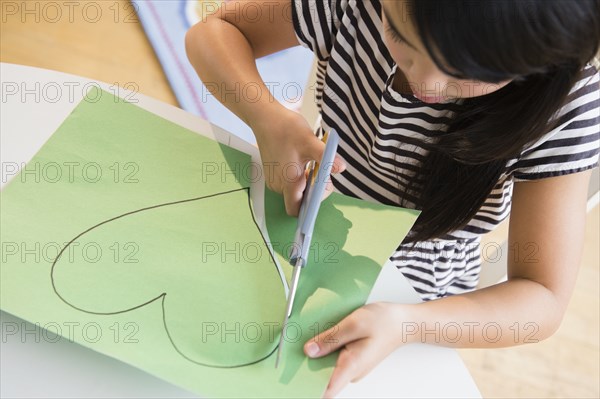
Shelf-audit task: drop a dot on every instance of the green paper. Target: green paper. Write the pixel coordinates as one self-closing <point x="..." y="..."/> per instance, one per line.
<point x="118" y="236"/>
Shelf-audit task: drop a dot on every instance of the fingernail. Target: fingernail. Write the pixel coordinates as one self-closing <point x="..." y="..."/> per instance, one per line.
<point x="312" y="349"/>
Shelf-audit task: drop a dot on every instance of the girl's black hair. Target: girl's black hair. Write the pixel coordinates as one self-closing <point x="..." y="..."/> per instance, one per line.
<point x="541" y="46"/>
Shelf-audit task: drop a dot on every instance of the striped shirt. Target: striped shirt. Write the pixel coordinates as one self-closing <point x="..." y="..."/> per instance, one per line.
<point x="379" y="127"/>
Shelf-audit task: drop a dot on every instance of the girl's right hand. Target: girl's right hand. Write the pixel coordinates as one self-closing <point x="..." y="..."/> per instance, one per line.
<point x="287" y="143"/>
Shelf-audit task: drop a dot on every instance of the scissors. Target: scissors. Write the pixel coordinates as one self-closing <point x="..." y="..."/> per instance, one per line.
<point x="318" y="177"/>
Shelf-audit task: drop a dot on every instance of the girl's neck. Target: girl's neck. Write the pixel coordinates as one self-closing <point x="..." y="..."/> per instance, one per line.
<point x="400" y="83"/>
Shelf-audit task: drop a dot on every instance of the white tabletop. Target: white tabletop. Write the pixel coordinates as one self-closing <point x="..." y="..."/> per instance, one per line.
<point x="34" y="103"/>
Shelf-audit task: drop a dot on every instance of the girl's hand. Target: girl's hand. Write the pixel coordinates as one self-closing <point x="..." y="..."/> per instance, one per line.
<point x="366" y="337"/>
<point x="287" y="143"/>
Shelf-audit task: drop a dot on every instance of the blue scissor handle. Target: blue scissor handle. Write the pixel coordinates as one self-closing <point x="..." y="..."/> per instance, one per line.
<point x="311" y="201"/>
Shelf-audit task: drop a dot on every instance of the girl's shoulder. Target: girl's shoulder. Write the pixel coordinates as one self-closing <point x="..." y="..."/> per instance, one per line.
<point x="583" y="97"/>
<point x="573" y="145"/>
<point x="318" y="22"/>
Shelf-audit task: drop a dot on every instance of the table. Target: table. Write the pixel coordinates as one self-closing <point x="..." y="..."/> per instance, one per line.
<point x="34" y="103"/>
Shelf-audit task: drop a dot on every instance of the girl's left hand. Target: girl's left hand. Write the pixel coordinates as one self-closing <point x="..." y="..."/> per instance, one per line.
<point x="366" y="337"/>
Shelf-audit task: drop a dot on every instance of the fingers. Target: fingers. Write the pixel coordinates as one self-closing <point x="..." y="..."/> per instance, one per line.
<point x="338" y="165"/>
<point x="349" y="367"/>
<point x="292" y="195"/>
<point x="341" y="374"/>
<point x="294" y="187"/>
<point x="346" y="331"/>
<point x="351" y="334"/>
<point x="314" y="151"/>
<point x="328" y="190"/>
<point x="342" y="335"/>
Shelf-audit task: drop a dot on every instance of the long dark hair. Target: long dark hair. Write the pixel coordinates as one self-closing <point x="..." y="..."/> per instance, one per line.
<point x="542" y="46"/>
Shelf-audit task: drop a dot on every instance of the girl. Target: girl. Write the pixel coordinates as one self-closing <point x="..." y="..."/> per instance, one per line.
<point x="468" y="111"/>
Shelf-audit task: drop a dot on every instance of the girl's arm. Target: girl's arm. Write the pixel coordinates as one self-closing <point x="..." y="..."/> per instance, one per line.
<point x="223" y="48"/>
<point x="547" y="223"/>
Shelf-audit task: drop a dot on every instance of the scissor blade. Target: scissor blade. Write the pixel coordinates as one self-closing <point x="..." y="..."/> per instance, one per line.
<point x="289" y="307"/>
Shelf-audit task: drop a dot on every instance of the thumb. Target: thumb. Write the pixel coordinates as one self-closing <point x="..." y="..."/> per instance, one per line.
<point x="341" y="334"/>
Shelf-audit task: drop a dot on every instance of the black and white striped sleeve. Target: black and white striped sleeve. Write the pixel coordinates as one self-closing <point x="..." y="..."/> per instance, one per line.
<point x="316" y="23"/>
<point x="574" y="145"/>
